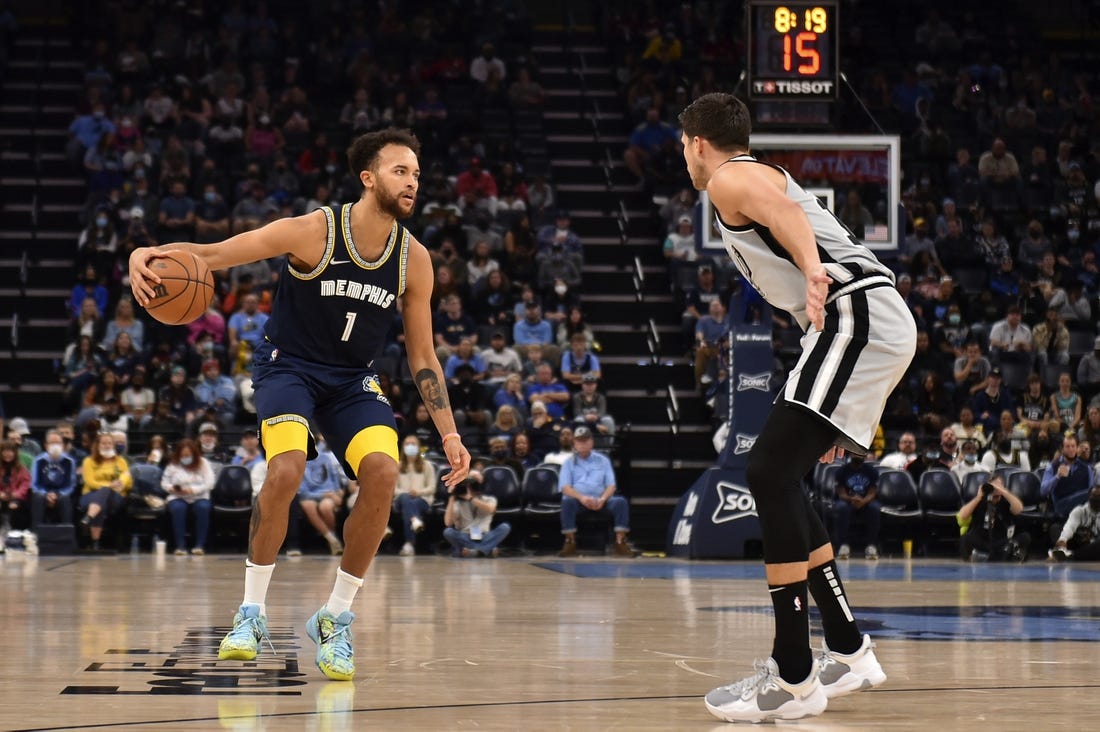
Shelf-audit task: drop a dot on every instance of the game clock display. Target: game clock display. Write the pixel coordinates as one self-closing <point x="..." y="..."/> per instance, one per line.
<point x="792" y="50"/>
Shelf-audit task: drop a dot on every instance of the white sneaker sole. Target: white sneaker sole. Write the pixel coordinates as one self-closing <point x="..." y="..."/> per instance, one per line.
<point x="811" y="707"/>
<point x="850" y="683"/>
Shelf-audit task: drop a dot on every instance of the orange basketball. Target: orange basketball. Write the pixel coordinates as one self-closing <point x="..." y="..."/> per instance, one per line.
<point x="185" y="290"/>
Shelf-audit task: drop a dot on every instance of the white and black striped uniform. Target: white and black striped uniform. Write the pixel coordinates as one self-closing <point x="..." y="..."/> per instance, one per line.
<point x="847" y="370"/>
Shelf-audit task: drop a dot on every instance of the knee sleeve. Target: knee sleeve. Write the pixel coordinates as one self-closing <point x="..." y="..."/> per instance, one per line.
<point x="789" y="444"/>
<point x="819" y="535"/>
<point x="780" y="507"/>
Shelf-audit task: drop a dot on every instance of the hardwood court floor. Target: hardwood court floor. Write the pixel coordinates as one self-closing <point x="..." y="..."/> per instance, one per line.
<point x="129" y="643"/>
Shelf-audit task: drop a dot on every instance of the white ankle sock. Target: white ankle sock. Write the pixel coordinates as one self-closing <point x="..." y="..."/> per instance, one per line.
<point x="256" y="579"/>
<point x="331" y="537"/>
<point x="343" y="592"/>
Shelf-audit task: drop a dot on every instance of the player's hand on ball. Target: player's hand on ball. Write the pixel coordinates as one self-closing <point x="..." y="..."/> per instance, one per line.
<point x="459" y="459"/>
<point x="834" y="453"/>
<point x="143" y="279"/>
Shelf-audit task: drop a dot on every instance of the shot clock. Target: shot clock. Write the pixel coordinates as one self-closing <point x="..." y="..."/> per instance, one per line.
<point x="793" y="50"/>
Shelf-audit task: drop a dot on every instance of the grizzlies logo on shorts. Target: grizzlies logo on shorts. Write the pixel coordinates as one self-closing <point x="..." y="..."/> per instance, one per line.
<point x="370" y="383"/>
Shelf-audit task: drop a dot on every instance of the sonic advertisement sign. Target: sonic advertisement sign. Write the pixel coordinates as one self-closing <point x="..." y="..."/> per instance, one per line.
<point x="717" y="518"/>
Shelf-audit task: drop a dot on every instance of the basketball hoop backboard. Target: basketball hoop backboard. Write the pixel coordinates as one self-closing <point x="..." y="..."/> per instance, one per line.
<point x="832" y="166"/>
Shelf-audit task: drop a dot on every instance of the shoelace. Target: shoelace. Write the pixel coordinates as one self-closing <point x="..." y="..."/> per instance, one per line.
<point x="760" y="679"/>
<point x="254" y="628"/>
<point x="339" y="641"/>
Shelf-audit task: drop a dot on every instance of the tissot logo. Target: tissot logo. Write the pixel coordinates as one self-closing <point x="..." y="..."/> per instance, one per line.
<point x="769" y="86"/>
<point x="744" y="443"/>
<point x="734" y="502"/>
<point x="760" y="382"/>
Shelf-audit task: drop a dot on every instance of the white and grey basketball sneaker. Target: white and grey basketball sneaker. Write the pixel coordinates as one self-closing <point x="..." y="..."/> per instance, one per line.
<point x="765" y="696"/>
<point x="842" y="674"/>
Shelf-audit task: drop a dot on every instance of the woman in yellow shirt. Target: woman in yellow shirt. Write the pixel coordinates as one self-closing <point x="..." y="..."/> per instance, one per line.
<point x="106" y="480"/>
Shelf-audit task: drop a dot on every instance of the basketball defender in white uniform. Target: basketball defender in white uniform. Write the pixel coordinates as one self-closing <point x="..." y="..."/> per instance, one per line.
<point x="860" y="338"/>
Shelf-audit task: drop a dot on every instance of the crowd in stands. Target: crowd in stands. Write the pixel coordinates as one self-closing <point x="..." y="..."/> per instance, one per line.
<point x="194" y="127"/>
<point x="1001" y="214"/>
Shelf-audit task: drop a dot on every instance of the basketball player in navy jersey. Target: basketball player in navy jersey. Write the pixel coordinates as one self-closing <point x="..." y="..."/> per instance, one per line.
<point x="337" y="297"/>
<point x="859" y="341"/>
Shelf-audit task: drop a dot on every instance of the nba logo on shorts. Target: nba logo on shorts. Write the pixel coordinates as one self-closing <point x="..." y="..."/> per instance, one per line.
<point x="274" y="354"/>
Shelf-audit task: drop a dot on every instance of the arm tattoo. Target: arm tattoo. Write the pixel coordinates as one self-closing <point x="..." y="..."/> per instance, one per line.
<point x="433" y="393"/>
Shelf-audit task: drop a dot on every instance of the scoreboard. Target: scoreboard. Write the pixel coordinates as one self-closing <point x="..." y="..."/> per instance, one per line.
<point x="793" y="50"/>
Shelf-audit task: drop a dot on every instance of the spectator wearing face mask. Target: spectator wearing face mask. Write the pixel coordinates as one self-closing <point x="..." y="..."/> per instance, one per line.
<point x="210" y="447"/>
<point x="558" y="301"/>
<point x="53" y="479"/>
<point x="211" y="216"/>
<point x="188" y="480"/>
<point x="415" y="490"/>
<point x="107" y="480"/>
<point x="931" y="458"/>
<point x="500" y="454"/>
<point x="968" y="461"/>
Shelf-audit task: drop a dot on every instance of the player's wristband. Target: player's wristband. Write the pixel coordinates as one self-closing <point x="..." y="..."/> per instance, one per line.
<point x="449" y="436"/>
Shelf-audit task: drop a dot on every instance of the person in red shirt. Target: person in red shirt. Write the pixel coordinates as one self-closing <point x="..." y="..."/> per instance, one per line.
<point x="477" y="187"/>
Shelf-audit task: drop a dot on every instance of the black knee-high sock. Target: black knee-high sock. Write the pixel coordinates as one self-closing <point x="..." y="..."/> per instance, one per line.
<point x="841" y="632"/>
<point x="791" y="647"/>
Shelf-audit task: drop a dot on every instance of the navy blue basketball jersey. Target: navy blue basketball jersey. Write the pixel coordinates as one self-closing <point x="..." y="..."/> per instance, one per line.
<point x="339" y="313"/>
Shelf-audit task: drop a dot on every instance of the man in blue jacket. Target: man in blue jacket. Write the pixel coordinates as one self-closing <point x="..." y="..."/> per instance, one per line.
<point x="1067" y="480"/>
<point x="53" y="479"/>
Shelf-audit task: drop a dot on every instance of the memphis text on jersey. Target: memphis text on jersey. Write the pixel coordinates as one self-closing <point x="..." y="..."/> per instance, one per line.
<point x="373" y="294"/>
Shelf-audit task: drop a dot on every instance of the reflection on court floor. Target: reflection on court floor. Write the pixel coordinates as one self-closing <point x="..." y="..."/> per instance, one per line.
<point x="130" y="642"/>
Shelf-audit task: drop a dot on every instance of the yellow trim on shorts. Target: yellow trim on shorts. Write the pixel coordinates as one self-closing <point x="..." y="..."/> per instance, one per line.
<point x="284" y="433"/>
<point x="376" y="438"/>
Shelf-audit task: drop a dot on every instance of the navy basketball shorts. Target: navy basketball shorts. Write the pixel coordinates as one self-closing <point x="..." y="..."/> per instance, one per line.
<point x="345" y="404"/>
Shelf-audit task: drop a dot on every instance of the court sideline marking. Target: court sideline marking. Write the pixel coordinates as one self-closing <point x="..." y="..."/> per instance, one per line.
<point x="531" y="702"/>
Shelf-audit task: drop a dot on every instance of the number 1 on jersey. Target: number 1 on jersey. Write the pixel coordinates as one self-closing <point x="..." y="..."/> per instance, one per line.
<point x="349" y="326"/>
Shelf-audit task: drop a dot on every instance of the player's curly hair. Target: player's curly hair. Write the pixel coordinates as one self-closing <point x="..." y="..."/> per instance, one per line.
<point x="363" y="152"/>
<point x="721" y="119"/>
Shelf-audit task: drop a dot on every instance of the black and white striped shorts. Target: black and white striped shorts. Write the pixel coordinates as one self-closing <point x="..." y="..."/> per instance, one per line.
<point x="847" y="370"/>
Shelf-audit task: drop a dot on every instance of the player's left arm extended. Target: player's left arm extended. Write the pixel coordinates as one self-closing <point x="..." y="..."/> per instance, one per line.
<point x="427" y="374"/>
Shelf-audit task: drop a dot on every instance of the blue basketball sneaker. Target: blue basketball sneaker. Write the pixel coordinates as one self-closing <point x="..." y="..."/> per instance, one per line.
<point x="242" y="643"/>
<point x="332" y="634"/>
